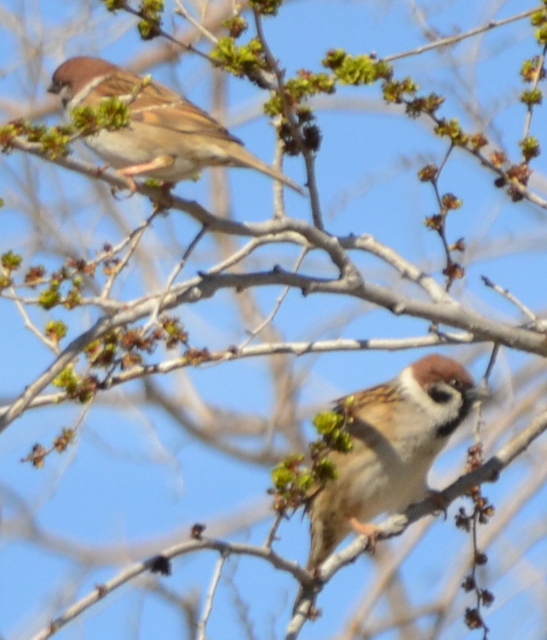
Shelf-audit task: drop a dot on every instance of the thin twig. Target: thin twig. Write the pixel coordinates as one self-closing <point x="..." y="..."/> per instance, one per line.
<point x="288" y="112"/>
<point x="484" y="385"/>
<point x="443" y="42"/>
<point x="20" y="304"/>
<point x="537" y="77"/>
<point x="187" y="47"/>
<point x="133" y="239"/>
<point x="181" y="10"/>
<point x="272" y="533"/>
<point x="208" y="607"/>
<point x="513" y="299"/>
<point x="174" y="273"/>
<point x="278" y="190"/>
<point x="269" y="318"/>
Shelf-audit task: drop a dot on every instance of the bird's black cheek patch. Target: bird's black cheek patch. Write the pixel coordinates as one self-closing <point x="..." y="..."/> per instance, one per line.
<point x="440" y="396"/>
<point x="448" y="428"/>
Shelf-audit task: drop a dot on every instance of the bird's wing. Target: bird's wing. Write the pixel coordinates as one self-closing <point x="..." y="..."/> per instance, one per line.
<point x="155" y="104"/>
<point x="181" y="116"/>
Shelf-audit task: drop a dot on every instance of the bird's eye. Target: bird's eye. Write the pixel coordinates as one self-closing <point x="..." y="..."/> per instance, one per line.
<point x="457" y="384"/>
<point x="439" y="395"/>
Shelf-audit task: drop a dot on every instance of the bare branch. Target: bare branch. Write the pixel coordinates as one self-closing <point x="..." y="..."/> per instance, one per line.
<point x="207" y="609"/>
<point x="450" y="40"/>
<point x="513" y="299"/>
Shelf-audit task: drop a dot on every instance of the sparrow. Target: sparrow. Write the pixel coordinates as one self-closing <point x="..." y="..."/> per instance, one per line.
<point x="397" y="430"/>
<point x="168" y="137"/>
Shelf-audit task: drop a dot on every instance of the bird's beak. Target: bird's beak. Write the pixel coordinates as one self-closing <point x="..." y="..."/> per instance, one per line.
<point x="478" y="394"/>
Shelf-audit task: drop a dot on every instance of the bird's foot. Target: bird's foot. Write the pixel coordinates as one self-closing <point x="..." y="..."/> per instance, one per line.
<point x="440" y="504"/>
<point x="371" y="531"/>
<point x="161" y="162"/>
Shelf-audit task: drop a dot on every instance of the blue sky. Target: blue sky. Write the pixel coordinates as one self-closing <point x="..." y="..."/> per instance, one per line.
<point x="135" y="475"/>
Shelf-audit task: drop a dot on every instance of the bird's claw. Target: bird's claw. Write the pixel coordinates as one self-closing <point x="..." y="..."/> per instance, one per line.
<point x="371" y="531"/>
<point x="439" y="502"/>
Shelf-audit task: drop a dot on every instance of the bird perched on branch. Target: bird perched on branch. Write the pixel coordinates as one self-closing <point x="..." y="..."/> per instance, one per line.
<point x="397" y="429"/>
<point x="167" y="137"/>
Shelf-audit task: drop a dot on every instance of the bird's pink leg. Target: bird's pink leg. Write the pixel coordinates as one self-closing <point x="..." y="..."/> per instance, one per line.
<point x="161" y="162"/>
<point x="371" y="531"/>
